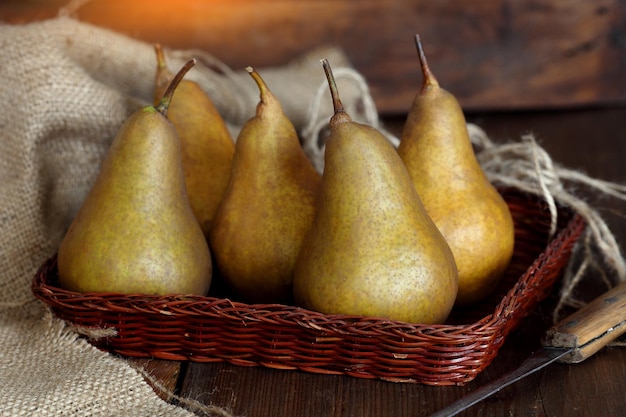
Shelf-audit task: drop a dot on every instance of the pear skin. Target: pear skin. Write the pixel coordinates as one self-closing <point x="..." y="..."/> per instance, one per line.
<point x="135" y="231"/>
<point x="473" y="217"/>
<point x="268" y="205"/>
<point x="372" y="250"/>
<point x="206" y="144"/>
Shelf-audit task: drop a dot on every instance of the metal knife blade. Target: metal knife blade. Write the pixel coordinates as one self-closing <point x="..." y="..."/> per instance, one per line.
<point x="538" y="360"/>
<point x="572" y="340"/>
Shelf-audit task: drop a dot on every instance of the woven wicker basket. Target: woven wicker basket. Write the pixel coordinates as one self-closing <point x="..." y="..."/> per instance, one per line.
<point x="213" y="329"/>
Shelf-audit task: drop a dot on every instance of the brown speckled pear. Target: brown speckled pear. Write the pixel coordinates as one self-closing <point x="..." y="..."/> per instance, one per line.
<point x="268" y="205"/>
<point x="135" y="231"/>
<point x="373" y="250"/>
<point x="206" y="144"/>
<point x="475" y="220"/>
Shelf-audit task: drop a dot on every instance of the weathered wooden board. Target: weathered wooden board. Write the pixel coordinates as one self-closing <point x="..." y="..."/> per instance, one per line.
<point x="492" y="54"/>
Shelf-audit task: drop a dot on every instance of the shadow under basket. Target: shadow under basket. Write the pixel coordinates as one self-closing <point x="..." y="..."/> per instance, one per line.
<point x="215" y="329"/>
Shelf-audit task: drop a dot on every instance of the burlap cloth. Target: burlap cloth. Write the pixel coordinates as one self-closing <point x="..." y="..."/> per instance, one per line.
<point x="65" y="88"/>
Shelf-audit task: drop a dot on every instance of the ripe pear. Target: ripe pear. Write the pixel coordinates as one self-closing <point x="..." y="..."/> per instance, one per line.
<point x="135" y="231"/>
<point x="268" y="205"/>
<point x="206" y="144"/>
<point x="372" y="249"/>
<point x="473" y="217"/>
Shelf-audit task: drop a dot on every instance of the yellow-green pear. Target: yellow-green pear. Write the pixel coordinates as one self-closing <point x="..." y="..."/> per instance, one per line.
<point x="135" y="231"/>
<point x="206" y="144"/>
<point x="473" y="217"/>
<point x="372" y="249"/>
<point x="268" y="205"/>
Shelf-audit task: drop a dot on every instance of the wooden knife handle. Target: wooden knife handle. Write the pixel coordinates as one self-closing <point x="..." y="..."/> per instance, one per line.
<point x="592" y="327"/>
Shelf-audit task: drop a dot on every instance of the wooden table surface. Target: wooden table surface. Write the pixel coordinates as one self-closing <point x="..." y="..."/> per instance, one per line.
<point x="591" y="140"/>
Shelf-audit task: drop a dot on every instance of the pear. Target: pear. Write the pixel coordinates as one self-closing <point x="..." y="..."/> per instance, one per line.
<point x="372" y="250"/>
<point x="206" y="144"/>
<point x="268" y="205"/>
<point x="473" y="217"/>
<point x="135" y="231"/>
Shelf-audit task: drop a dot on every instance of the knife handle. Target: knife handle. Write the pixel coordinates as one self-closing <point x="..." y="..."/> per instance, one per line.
<point x="592" y="327"/>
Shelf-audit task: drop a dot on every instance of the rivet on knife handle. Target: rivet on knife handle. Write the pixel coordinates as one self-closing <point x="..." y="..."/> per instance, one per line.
<point x="592" y="327"/>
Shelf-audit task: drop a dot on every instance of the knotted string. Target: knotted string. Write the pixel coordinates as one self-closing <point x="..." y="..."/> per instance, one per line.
<point x="525" y="165"/>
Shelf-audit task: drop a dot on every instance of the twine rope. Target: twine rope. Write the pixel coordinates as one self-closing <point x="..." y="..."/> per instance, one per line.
<point x="528" y="167"/>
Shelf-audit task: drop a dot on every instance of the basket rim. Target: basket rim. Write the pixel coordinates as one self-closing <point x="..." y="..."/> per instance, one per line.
<point x="215" y="329"/>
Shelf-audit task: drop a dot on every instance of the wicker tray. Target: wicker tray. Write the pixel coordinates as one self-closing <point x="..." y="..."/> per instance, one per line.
<point x="213" y="329"/>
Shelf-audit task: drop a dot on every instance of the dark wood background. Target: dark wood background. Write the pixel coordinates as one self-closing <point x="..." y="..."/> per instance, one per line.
<point x="492" y="54"/>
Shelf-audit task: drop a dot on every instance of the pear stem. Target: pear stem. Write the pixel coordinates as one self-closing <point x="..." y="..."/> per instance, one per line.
<point x="165" y="101"/>
<point x="429" y="77"/>
<point x="337" y="104"/>
<point x="259" y="82"/>
<point x="160" y="56"/>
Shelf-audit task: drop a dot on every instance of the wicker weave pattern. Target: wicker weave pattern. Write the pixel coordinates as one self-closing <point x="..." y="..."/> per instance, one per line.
<point x="211" y="329"/>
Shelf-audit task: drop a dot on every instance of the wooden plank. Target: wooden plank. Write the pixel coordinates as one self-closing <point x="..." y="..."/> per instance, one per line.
<point x="491" y="54"/>
<point x="589" y="378"/>
<point x="161" y="375"/>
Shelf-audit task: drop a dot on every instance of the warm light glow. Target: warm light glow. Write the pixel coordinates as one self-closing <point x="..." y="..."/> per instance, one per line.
<point x="250" y="35"/>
